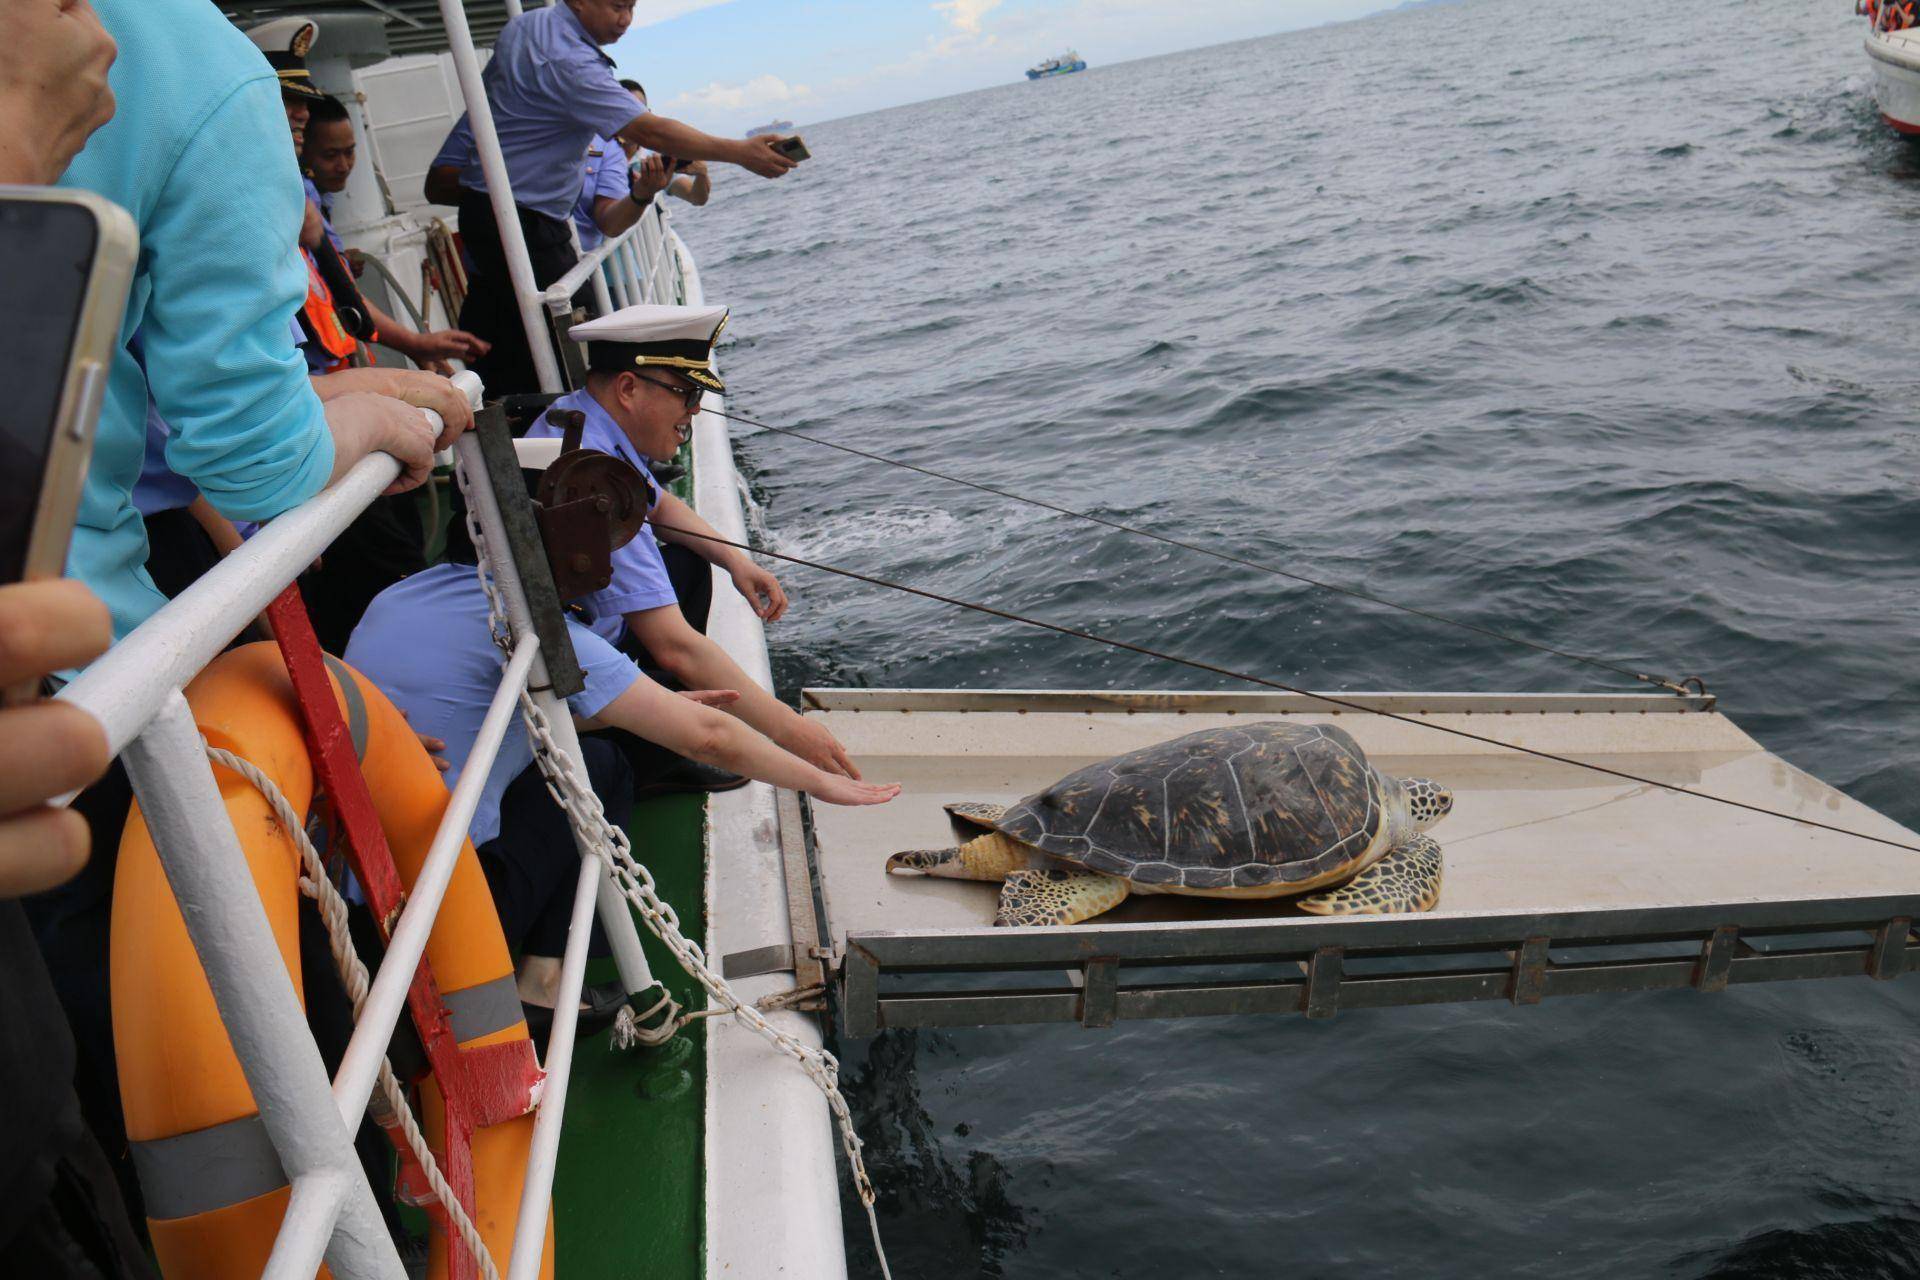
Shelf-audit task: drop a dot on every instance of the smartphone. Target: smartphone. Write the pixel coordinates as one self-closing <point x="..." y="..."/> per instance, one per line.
<point x="793" y="149"/>
<point x="66" y="262"/>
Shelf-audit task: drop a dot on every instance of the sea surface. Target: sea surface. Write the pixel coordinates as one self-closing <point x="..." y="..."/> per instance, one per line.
<point x="1591" y="322"/>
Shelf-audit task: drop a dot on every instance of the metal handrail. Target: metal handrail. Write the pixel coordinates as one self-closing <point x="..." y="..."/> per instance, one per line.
<point x="632" y="267"/>
<point x="134" y="691"/>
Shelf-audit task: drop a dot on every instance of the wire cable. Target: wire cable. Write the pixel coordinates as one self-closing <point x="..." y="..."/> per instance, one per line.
<point x="1327" y="698"/>
<point x="1225" y="556"/>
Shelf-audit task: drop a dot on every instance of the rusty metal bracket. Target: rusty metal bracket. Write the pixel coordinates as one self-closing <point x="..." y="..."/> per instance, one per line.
<point x="1322" y="996"/>
<point x="1530" y="966"/>
<point x="1888" y="959"/>
<point x="1716" y="959"/>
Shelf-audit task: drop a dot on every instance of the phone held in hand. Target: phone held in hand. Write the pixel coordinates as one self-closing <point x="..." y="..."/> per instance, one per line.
<point x="66" y="262"/>
<point x="793" y="149"/>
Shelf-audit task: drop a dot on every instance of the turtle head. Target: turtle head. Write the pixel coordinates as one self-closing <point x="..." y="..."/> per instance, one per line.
<point x="925" y="862"/>
<point x="1427" y="801"/>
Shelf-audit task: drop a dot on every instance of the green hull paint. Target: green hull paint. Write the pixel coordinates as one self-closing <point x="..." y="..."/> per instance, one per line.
<point x="629" y="1194"/>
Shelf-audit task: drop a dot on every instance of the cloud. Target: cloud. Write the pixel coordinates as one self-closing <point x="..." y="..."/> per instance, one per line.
<point x="761" y="91"/>
<point x="965" y="15"/>
<point x="656" y="11"/>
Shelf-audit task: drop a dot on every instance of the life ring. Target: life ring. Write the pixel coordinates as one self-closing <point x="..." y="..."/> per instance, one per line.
<point x="214" y="1188"/>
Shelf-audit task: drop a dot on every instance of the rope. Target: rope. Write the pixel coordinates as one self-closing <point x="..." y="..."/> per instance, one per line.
<point x="353" y="974"/>
<point x="575" y="795"/>
<point x="1330" y="699"/>
<point x="1226" y="556"/>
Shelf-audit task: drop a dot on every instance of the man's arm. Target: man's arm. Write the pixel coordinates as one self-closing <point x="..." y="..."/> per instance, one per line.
<point x="684" y="142"/>
<point x="431" y="351"/>
<point x="676" y="522"/>
<point x="699" y="663"/>
<point x="313" y="227"/>
<point x="694" y="186"/>
<point x="614" y="215"/>
<point x="442" y="185"/>
<point x="700" y="733"/>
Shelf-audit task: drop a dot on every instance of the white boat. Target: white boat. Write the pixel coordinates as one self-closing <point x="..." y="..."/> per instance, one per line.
<point x="1895" y="59"/>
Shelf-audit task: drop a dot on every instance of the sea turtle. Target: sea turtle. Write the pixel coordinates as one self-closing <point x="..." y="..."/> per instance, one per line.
<point x="1264" y="810"/>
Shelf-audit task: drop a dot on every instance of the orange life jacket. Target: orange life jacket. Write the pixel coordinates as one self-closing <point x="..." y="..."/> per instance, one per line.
<point x="321" y="321"/>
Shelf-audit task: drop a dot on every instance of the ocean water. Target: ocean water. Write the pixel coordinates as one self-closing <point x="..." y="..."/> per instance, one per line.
<point x="1592" y="322"/>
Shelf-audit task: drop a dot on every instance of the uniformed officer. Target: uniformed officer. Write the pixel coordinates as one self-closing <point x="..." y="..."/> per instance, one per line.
<point x="647" y="369"/>
<point x="551" y="89"/>
<point x="426" y="642"/>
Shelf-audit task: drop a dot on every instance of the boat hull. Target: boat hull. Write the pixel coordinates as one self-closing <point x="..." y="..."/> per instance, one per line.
<point x="1894" y="57"/>
<point x="1057" y="71"/>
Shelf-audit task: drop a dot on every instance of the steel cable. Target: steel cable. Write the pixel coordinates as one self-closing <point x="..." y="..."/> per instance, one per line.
<point x="1226" y="556"/>
<point x="1329" y="699"/>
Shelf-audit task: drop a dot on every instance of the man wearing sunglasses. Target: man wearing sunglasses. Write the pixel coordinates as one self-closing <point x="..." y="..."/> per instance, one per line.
<point x="648" y="367"/>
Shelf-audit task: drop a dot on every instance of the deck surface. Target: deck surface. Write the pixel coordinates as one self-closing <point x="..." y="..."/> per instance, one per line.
<point x="628" y="1196"/>
<point x="1526" y="835"/>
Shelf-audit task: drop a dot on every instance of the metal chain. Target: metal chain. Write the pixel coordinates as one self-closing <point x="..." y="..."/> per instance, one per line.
<point x="589" y="820"/>
<point x="316" y="884"/>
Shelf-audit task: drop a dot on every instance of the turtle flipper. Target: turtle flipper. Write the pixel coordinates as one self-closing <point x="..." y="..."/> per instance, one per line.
<point x="983" y="816"/>
<point x="1052" y="895"/>
<point x="1405" y="881"/>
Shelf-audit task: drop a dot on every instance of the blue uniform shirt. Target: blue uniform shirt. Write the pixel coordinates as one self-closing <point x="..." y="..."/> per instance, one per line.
<point x="219" y="277"/>
<point x="325" y="205"/>
<point x="606" y="178"/>
<point x="551" y="90"/>
<point x="640" y="578"/>
<point x="424" y="642"/>
<point x="604" y="174"/>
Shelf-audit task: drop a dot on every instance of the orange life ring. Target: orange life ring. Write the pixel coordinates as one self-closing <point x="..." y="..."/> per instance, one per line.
<point x="215" y="1191"/>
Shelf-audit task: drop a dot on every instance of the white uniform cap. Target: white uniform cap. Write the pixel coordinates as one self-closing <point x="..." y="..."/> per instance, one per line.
<point x="677" y="338"/>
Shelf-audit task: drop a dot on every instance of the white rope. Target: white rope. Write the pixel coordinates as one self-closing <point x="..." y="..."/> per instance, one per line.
<point x="576" y="797"/>
<point x="333" y="910"/>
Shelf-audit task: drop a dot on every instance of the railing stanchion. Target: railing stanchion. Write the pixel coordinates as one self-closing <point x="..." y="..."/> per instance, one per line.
<point x="201" y="856"/>
<point x="513" y="243"/>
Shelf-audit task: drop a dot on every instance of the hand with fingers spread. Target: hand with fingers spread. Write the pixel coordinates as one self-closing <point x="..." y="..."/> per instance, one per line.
<point x="835" y="790"/>
<point x="46" y="748"/>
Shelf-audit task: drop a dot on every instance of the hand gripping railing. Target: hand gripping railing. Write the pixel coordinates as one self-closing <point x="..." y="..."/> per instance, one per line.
<point x="134" y="691"/>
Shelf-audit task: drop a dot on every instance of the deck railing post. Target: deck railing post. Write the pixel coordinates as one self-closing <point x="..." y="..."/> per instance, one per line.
<point x="594" y="888"/>
<point x="486" y="141"/>
<point x="201" y="856"/>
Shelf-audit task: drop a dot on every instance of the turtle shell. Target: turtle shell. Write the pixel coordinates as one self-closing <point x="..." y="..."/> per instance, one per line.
<point x="1236" y="808"/>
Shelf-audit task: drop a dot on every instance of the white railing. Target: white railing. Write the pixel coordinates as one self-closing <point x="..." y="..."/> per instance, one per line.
<point x="134" y="691"/>
<point x="638" y="265"/>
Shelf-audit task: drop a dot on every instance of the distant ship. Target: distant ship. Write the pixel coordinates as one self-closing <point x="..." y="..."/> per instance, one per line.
<point x="778" y="126"/>
<point x="1064" y="65"/>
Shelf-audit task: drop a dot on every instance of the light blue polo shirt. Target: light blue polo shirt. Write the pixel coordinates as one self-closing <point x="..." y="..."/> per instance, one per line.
<point x="640" y="578"/>
<point x="218" y="279"/>
<point x="551" y="90"/>
<point x="604" y="174"/>
<point x="424" y="642"/>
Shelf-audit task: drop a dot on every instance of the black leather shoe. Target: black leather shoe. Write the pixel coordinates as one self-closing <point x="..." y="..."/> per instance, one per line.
<point x="604" y="1001"/>
<point x="689" y="776"/>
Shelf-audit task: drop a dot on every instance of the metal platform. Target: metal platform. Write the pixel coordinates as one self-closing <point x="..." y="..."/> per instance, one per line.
<point x="1560" y="881"/>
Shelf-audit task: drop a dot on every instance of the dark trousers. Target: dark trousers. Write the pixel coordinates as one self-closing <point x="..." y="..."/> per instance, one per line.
<point x="80" y="1229"/>
<point x="178" y="551"/>
<point x="384" y="544"/>
<point x="533" y="865"/>
<point x="490" y="311"/>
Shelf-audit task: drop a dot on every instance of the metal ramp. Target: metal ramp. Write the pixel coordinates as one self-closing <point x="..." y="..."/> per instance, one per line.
<point x="1560" y="881"/>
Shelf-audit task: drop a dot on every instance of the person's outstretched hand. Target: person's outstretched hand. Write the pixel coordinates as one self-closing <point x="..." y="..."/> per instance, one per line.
<point x="762" y="590"/>
<point x="710" y="697"/>
<point x="757" y="155"/>
<point x="837" y="790"/>
<point x="46" y="748"/>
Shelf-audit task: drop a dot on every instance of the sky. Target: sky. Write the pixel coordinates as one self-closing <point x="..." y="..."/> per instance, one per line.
<point x="728" y="65"/>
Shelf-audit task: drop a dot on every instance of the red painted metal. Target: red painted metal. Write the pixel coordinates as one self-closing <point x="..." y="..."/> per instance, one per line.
<point x="481" y="1086"/>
